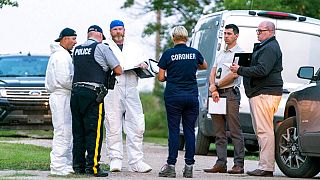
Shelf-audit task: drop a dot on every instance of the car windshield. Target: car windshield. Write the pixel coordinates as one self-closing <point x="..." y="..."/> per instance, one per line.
<point x="23" y="66"/>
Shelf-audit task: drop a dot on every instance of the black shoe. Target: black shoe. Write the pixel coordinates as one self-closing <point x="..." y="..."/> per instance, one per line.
<point x="79" y="171"/>
<point x="100" y="173"/>
<point x="259" y="172"/>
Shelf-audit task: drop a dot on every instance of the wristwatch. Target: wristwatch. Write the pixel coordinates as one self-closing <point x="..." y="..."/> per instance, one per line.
<point x="217" y="87"/>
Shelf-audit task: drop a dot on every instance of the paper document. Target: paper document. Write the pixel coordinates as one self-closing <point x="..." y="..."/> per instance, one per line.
<point x="219" y="107"/>
<point x="227" y="64"/>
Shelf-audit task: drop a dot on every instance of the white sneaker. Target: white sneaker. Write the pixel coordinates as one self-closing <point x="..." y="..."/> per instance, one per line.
<point x="140" y="166"/>
<point x="115" y="165"/>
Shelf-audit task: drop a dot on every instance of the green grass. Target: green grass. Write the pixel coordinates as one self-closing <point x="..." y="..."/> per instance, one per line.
<point x="155" y="116"/>
<point x="11" y="134"/>
<point x="23" y="156"/>
<point x="8" y="133"/>
<point x="251" y="157"/>
<point x="230" y="147"/>
<point x="156" y="140"/>
<point x="30" y="157"/>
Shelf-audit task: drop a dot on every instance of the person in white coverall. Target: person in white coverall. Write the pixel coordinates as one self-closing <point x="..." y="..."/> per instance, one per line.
<point x="123" y="109"/>
<point x="58" y="83"/>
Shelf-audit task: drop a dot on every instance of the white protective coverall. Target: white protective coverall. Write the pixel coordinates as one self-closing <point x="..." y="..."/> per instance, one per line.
<point x="58" y="82"/>
<point x="123" y="107"/>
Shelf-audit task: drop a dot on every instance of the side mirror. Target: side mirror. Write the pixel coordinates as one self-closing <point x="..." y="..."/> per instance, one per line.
<point x="153" y="64"/>
<point x="306" y="72"/>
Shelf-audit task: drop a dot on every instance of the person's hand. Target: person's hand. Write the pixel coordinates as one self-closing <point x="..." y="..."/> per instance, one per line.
<point x="234" y="67"/>
<point x="215" y="96"/>
<point x="212" y="88"/>
<point x="143" y="65"/>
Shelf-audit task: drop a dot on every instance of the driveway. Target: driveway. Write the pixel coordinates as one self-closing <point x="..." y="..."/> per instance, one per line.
<point x="155" y="155"/>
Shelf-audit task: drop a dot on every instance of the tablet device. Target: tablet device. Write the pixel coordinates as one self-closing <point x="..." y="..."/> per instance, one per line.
<point x="242" y="59"/>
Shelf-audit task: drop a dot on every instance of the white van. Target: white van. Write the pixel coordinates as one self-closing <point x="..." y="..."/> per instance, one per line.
<point x="299" y="39"/>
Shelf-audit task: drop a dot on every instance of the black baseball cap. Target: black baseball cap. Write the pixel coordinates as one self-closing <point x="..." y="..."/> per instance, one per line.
<point x="97" y="29"/>
<point x="66" y="32"/>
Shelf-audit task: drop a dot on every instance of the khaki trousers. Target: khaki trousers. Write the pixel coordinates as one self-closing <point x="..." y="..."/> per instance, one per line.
<point x="263" y="108"/>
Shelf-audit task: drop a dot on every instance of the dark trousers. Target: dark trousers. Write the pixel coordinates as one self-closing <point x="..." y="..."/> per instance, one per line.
<point x="232" y="120"/>
<point x="185" y="108"/>
<point x="87" y="129"/>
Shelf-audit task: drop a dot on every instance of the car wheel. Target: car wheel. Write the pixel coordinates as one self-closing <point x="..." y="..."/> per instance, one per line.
<point x="288" y="156"/>
<point x="202" y="144"/>
<point x="181" y="142"/>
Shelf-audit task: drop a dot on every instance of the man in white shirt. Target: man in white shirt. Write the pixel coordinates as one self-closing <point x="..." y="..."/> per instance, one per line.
<point x="225" y="83"/>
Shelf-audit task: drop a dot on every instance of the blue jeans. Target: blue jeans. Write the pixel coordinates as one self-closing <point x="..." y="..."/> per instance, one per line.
<point x="185" y="108"/>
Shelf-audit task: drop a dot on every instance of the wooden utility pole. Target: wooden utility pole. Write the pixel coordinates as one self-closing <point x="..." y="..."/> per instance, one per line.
<point x="158" y="40"/>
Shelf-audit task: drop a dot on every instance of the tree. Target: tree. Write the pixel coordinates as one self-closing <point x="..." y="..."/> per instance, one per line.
<point x="309" y="8"/>
<point x="9" y="3"/>
<point x="168" y="13"/>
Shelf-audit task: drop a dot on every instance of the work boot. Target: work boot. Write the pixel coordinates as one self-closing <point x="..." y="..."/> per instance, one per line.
<point x="100" y="173"/>
<point x="79" y="170"/>
<point x="187" y="172"/>
<point x="167" y="171"/>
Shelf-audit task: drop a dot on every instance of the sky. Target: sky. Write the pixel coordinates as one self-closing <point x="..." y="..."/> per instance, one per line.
<point x="35" y="24"/>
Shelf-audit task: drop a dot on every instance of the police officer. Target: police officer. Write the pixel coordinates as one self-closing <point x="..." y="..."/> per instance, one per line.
<point x="180" y="63"/>
<point x="91" y="61"/>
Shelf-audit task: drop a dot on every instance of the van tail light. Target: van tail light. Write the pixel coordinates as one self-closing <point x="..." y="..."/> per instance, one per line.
<point x="277" y="15"/>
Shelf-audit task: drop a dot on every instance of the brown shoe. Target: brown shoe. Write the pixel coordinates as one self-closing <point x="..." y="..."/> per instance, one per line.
<point x="236" y="170"/>
<point x="216" y="169"/>
<point x="259" y="172"/>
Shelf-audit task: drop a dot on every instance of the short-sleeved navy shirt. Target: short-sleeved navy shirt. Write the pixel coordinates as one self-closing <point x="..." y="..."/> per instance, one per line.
<point x="181" y="63"/>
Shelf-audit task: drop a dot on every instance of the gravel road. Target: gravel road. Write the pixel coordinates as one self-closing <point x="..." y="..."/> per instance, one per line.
<point x="155" y="155"/>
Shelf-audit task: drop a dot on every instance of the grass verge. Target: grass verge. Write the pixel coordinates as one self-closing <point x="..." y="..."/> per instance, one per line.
<point x="24" y="156"/>
<point x="156" y="140"/>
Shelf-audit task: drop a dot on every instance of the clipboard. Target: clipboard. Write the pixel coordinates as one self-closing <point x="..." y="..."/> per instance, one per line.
<point x="143" y="73"/>
<point x="242" y="59"/>
<point x="219" y="107"/>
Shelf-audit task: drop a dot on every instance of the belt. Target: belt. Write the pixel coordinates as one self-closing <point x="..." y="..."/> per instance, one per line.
<point x="226" y="89"/>
<point x="88" y="86"/>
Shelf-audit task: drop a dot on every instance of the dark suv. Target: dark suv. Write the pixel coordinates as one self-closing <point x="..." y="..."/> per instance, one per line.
<point x="298" y="137"/>
<point x="24" y="101"/>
